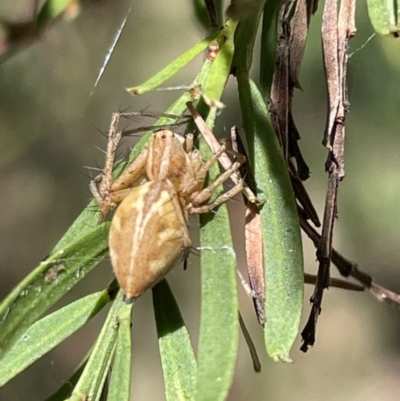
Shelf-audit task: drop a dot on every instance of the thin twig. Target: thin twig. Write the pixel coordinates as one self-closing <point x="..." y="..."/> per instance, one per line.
<point x="348" y="268"/>
<point x="336" y="32"/>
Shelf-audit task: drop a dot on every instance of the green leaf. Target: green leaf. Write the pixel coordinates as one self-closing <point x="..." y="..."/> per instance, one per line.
<point x="120" y="383"/>
<point x="269" y="43"/>
<point x="177" y="356"/>
<point x="48" y="332"/>
<point x="245" y="38"/>
<point x="91" y="382"/>
<point x="172" y="68"/>
<point x="283" y="256"/>
<point x="177" y="108"/>
<point x="384" y="16"/>
<point x="49" y="281"/>
<point x="219" y="325"/>
<point x="220" y="70"/>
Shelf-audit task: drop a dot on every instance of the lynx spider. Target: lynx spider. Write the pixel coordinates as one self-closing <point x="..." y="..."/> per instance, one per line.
<point x="154" y="197"/>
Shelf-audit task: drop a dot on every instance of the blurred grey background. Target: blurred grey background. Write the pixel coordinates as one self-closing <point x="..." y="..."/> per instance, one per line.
<point x="48" y="133"/>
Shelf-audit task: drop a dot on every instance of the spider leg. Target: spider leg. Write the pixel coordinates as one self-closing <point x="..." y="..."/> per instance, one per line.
<point x="200" y="197"/>
<point x="221" y="199"/>
<point x="101" y="185"/>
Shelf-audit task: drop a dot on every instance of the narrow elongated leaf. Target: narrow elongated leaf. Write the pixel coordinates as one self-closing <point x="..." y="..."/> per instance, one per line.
<point x="220" y="70"/>
<point x="283" y="257"/>
<point x="269" y="43"/>
<point x="177" y="108"/>
<point x="91" y="382"/>
<point x="244" y="43"/>
<point x="49" y="282"/>
<point x="120" y="383"/>
<point x="219" y="327"/>
<point x="172" y="68"/>
<point x="218" y="340"/>
<point x="177" y="356"/>
<point x="48" y="332"/>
